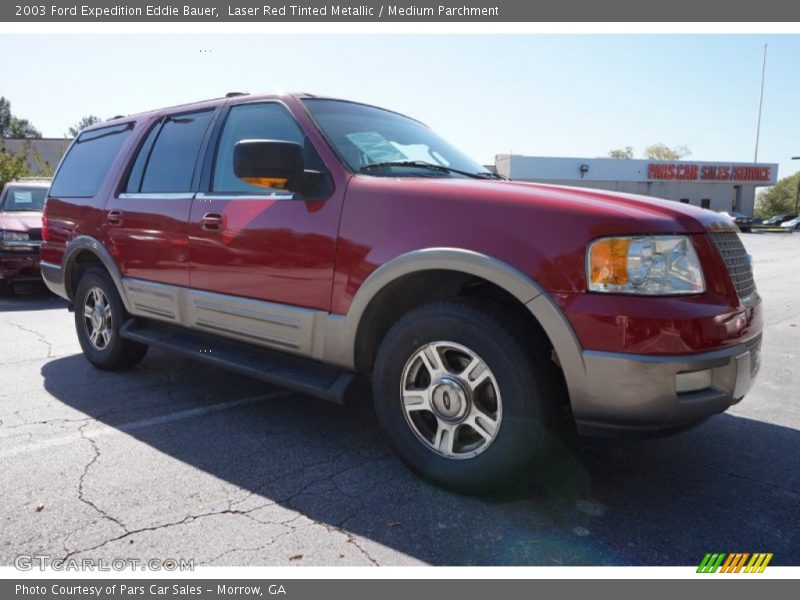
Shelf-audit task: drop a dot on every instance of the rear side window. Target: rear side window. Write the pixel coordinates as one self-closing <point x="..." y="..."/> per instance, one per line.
<point x="171" y="161"/>
<point x="86" y="165"/>
<point x="137" y="171"/>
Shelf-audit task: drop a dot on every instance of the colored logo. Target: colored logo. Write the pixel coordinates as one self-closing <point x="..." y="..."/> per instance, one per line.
<point x="734" y="562"/>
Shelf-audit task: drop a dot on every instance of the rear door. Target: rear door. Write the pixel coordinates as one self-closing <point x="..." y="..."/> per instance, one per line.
<point x="253" y="242"/>
<point x="147" y="222"/>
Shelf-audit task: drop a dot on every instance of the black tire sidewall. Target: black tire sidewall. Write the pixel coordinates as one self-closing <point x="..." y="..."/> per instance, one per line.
<point x="521" y="434"/>
<point x="113" y="355"/>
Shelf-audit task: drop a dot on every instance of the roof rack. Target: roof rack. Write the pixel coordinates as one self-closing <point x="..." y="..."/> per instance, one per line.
<point x="235" y="94"/>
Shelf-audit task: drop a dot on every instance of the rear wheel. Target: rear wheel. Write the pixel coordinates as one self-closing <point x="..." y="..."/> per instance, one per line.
<point x="99" y="313"/>
<point x="466" y="398"/>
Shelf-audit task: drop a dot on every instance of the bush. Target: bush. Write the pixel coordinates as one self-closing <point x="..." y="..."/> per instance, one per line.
<point x="780" y="199"/>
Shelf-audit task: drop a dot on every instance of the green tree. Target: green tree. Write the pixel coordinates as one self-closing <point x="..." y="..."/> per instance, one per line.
<point x="83" y="124"/>
<point x="657" y="151"/>
<point x="14" y="127"/>
<point x="663" y="152"/>
<point x="622" y="154"/>
<point x="12" y="166"/>
<point x="780" y="199"/>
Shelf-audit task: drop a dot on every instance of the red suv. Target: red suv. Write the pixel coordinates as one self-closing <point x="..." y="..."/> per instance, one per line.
<point x="20" y="232"/>
<point x="305" y="240"/>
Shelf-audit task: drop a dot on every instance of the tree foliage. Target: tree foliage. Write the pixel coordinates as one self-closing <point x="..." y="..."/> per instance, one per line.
<point x="622" y="153"/>
<point x="12" y="126"/>
<point x="83" y="124"/>
<point x="657" y="151"/>
<point x="780" y="199"/>
<point x="663" y="152"/>
<point x="12" y="165"/>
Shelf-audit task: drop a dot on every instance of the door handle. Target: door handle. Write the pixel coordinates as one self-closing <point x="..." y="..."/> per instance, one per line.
<point x="114" y="218"/>
<point x="212" y="222"/>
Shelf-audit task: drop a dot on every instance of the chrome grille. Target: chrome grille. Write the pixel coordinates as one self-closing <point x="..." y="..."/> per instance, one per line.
<point x="737" y="261"/>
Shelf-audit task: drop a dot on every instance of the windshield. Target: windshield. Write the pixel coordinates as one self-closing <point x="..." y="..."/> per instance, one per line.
<point x="21" y="198"/>
<point x="377" y="141"/>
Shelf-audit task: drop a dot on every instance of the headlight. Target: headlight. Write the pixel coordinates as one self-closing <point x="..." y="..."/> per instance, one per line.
<point x="14" y="236"/>
<point x="647" y="265"/>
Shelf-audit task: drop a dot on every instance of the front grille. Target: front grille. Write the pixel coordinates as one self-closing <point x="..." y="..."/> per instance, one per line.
<point x="737" y="261"/>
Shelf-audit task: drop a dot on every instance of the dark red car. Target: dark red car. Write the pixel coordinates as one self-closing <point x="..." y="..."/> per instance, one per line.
<point x="20" y="232"/>
<point x="307" y="240"/>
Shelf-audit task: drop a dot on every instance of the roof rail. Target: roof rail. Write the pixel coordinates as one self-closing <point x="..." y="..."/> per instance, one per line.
<point x="234" y="94"/>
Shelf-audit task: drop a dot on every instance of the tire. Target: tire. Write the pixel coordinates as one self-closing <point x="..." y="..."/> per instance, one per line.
<point x="106" y="350"/>
<point x="516" y="405"/>
<point x="6" y="289"/>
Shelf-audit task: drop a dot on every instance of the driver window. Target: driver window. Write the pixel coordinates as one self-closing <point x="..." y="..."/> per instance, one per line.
<point x="263" y="121"/>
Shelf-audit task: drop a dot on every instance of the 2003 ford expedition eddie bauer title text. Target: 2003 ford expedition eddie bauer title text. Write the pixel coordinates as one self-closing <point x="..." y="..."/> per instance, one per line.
<point x="306" y="240"/>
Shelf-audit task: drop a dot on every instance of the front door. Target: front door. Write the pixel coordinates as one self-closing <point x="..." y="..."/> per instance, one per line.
<point x="249" y="242"/>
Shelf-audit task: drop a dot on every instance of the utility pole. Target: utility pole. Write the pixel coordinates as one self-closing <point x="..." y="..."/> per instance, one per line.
<point x="760" y="102"/>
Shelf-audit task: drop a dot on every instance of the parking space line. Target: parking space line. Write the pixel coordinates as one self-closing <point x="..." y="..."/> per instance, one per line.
<point x="143" y="423"/>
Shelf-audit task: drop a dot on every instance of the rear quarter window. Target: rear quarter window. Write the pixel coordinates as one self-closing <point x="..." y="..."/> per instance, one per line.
<point x="87" y="163"/>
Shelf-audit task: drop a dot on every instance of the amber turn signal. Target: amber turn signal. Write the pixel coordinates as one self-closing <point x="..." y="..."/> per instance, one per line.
<point x="267" y="182"/>
<point x="608" y="261"/>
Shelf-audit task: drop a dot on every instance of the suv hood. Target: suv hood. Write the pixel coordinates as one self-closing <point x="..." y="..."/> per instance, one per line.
<point x="608" y="212"/>
<point x="20" y="221"/>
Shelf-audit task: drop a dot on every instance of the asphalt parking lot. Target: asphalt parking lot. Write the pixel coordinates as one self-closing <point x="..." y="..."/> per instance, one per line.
<point x="175" y="459"/>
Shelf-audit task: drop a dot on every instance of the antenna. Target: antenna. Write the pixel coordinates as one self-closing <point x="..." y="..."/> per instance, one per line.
<point x="760" y="102"/>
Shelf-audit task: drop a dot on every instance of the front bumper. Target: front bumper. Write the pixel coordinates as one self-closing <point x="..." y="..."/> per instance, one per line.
<point x="638" y="395"/>
<point x="18" y="267"/>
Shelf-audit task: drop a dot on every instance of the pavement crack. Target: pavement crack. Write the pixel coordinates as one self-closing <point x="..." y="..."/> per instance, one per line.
<point x="184" y="521"/>
<point x="39" y="336"/>
<point x="351" y="538"/>
<point x="82" y="481"/>
<point x="751" y="479"/>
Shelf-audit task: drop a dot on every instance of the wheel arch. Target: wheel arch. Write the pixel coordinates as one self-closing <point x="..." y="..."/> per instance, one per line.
<point x="82" y="252"/>
<point x="345" y="336"/>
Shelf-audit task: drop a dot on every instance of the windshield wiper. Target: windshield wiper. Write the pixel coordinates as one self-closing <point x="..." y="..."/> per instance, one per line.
<point x="421" y="164"/>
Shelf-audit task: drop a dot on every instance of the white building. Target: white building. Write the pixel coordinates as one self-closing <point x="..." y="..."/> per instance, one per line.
<point x="720" y="186"/>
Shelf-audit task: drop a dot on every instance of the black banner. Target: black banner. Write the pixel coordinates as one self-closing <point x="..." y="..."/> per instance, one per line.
<point x="416" y="11"/>
<point x="400" y="589"/>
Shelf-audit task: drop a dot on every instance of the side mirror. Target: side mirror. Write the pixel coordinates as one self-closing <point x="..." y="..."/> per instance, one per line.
<point x="273" y="164"/>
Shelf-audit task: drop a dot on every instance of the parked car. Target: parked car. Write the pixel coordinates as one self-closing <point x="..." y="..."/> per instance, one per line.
<point x="792" y="225"/>
<point x="777" y="220"/>
<point x="20" y="232"/>
<point x="309" y="241"/>
<point x="743" y="222"/>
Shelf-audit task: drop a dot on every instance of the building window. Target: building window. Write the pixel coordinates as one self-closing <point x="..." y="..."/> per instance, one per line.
<point x="685" y="200"/>
<point x="705" y="203"/>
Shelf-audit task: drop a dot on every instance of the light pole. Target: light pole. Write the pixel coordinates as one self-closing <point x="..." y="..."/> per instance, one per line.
<point x="797" y="195"/>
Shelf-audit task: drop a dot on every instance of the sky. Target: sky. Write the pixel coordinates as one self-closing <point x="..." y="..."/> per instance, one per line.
<point x="532" y="94"/>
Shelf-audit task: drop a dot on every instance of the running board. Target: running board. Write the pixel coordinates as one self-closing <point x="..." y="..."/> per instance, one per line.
<point x="292" y="372"/>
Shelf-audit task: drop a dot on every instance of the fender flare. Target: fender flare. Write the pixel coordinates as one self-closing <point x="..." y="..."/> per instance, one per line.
<point x="341" y="335"/>
<point x="85" y="243"/>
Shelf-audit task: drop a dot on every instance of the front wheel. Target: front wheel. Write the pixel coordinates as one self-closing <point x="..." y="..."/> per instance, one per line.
<point x="466" y="396"/>
<point x="99" y="313"/>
